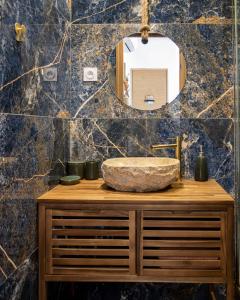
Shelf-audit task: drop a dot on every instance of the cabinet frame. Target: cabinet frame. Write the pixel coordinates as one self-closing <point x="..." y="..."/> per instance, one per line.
<point x="136" y="274"/>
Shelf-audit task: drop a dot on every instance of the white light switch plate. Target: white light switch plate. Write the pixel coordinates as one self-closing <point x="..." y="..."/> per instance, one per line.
<point x="90" y="74"/>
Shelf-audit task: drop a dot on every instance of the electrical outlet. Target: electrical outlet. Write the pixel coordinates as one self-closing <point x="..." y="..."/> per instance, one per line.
<point x="90" y="74"/>
<point x="50" y="74"/>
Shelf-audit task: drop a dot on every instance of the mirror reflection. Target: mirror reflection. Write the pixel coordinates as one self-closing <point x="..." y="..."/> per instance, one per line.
<point x="147" y="76"/>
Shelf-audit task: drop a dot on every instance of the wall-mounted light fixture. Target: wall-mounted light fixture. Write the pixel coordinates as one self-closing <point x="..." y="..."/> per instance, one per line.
<point x="20" y="32"/>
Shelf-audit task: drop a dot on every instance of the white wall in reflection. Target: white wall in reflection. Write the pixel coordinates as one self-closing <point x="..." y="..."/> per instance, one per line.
<point x="159" y="53"/>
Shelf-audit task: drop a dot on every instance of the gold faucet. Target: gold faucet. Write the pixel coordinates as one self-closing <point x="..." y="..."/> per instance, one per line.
<point x="178" y="149"/>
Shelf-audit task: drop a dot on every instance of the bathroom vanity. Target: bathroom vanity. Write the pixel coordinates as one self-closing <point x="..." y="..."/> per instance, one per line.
<point x="88" y="232"/>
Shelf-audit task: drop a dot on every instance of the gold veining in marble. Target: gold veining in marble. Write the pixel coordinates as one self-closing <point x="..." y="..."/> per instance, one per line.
<point x="8" y="258"/>
<point x="7" y="160"/>
<point x="63" y="114"/>
<point x="213" y="20"/>
<point x="69" y="4"/>
<point x="107" y="138"/>
<point x="215" y="102"/>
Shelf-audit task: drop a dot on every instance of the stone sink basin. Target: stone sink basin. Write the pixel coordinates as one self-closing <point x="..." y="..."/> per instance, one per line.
<point x="140" y="174"/>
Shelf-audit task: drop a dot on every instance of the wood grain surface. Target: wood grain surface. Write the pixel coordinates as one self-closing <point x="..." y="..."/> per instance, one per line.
<point x="96" y="190"/>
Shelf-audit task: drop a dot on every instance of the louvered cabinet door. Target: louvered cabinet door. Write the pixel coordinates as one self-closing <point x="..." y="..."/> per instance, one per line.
<point x="183" y="246"/>
<point x="90" y="242"/>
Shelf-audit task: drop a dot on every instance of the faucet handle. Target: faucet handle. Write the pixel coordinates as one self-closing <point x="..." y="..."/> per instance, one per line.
<point x="174" y="138"/>
<point x="171" y="138"/>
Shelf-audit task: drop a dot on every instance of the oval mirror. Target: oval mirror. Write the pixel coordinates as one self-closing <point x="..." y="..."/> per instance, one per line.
<point x="147" y="76"/>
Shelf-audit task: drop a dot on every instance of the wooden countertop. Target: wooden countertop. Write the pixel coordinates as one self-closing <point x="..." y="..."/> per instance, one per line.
<point x="192" y="192"/>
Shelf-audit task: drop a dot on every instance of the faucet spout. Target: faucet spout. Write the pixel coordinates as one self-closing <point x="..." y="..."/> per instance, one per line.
<point x="177" y="146"/>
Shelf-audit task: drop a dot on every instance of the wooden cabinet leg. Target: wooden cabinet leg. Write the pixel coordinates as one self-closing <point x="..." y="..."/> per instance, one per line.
<point x="230" y="291"/>
<point x="230" y="254"/>
<point x="42" y="290"/>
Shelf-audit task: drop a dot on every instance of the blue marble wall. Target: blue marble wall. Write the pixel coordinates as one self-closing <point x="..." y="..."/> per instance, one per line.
<point x="32" y="155"/>
<point x="70" y="35"/>
<point x="33" y="144"/>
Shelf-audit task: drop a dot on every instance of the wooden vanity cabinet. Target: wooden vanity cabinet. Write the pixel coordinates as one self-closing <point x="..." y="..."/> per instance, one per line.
<point x="90" y="233"/>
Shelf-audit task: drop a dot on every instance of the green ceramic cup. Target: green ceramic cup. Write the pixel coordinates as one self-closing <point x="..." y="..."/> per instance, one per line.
<point x="76" y="168"/>
<point x="92" y="170"/>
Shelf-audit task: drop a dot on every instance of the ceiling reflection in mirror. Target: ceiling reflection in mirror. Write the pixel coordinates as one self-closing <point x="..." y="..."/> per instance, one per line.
<point x="147" y="76"/>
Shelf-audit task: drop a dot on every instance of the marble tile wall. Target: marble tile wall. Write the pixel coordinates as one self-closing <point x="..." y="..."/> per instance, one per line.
<point x="70" y="35"/>
<point x="33" y="143"/>
<point x="32" y="156"/>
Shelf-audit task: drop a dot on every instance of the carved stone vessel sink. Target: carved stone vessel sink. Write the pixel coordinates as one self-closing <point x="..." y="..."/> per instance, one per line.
<point x="140" y="174"/>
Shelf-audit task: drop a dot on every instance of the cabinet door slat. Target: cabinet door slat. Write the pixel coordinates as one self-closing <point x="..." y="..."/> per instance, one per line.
<point x="188" y="214"/>
<point x="182" y="224"/>
<point x="90" y="213"/>
<point x="68" y="270"/>
<point x="90" y="252"/>
<point x="182" y="253"/>
<point x="90" y="223"/>
<point x="89" y="232"/>
<point x="181" y="233"/>
<point x="187" y="264"/>
<point x="90" y="242"/>
<point x="90" y="262"/>
<point x="182" y="243"/>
